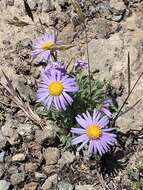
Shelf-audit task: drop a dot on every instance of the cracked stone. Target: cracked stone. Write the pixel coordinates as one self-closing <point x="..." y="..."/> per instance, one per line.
<point x="18" y="157"/>
<point x="51" y="155"/>
<point x="50" y="182"/>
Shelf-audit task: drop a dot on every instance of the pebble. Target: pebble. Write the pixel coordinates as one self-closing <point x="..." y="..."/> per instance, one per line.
<point x="31" y="167"/>
<point x="25" y="130"/>
<point x="6" y="129"/>
<point x="2" y="156"/>
<point x="1" y="171"/>
<point x="49" y="169"/>
<point x="18" y="157"/>
<point x="31" y="186"/>
<point x="67" y="158"/>
<point x="50" y="182"/>
<point x="45" y="136"/>
<point x="17" y="178"/>
<point x="2" y="141"/>
<point x="10" y="2"/>
<point x="51" y="155"/>
<point x="39" y="175"/>
<point x="14" y="139"/>
<point x="12" y="170"/>
<point x="48" y="6"/>
<point x="84" y="187"/>
<point x="4" y="185"/>
<point x="65" y="186"/>
<point x="32" y="4"/>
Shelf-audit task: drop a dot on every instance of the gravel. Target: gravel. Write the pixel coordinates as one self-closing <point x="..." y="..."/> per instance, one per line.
<point x="31" y="186"/>
<point x="4" y="185"/>
<point x="2" y="156"/>
<point x="18" y="157"/>
<point x="45" y="136"/>
<point x="2" y="140"/>
<point x="50" y="182"/>
<point x="1" y="171"/>
<point x="65" y="186"/>
<point x="51" y="155"/>
<point x="66" y="158"/>
<point x="17" y="178"/>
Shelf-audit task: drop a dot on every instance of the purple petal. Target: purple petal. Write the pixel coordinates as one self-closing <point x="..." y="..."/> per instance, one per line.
<point x="97" y="117"/>
<point x="79" y="139"/>
<point x="62" y="102"/>
<point x="90" y="148"/>
<point x="68" y="98"/>
<point x="82" y="145"/>
<point x="77" y="130"/>
<point x="82" y="122"/>
<point x="103" y="121"/>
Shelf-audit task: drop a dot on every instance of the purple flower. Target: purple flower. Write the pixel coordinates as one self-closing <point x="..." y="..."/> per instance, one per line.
<point x="105" y="107"/>
<point x="81" y="64"/>
<point x="41" y="50"/>
<point x="54" y="89"/>
<point x="93" y="131"/>
<point x="55" y="66"/>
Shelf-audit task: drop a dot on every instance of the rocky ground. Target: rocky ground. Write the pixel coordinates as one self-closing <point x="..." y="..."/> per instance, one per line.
<point x="32" y="159"/>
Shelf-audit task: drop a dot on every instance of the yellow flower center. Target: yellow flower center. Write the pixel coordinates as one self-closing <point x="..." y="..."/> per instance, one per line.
<point x="55" y="88"/>
<point x="93" y="131"/>
<point x="47" y="44"/>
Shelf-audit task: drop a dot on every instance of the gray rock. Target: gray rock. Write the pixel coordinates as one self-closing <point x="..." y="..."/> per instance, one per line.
<point x="49" y="169"/>
<point x="1" y="171"/>
<point x="12" y="170"/>
<point x="4" y="185"/>
<point x="104" y="53"/>
<point x="65" y="186"/>
<point x="31" y="186"/>
<point x="48" y="5"/>
<point x="118" y="5"/>
<point x="2" y="156"/>
<point x="33" y="4"/>
<point x="25" y="130"/>
<point x="39" y="175"/>
<point x="2" y="141"/>
<point x="10" y="2"/>
<point x="50" y="182"/>
<point x="17" y="178"/>
<point x="24" y="89"/>
<point x="18" y="157"/>
<point x="45" y="136"/>
<point x="67" y="158"/>
<point x="31" y="167"/>
<point x="6" y="129"/>
<point x="14" y="139"/>
<point x="25" y="43"/>
<point x="84" y="187"/>
<point x="51" y="155"/>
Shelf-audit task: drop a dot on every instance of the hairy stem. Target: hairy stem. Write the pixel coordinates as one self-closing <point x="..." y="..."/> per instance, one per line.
<point x="87" y="50"/>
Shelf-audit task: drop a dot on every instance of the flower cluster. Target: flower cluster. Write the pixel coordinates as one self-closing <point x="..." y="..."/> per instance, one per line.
<point x="56" y="88"/>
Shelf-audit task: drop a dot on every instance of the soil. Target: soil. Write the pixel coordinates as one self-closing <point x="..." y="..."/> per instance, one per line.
<point x="114" y="30"/>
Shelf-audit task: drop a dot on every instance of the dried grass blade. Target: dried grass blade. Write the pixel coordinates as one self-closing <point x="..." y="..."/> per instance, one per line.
<point x="28" y="10"/>
<point x="60" y="47"/>
<point x="129" y="74"/>
<point x="78" y="10"/>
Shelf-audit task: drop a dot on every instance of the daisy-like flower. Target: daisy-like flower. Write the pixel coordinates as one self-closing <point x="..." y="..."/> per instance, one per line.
<point x="54" y="89"/>
<point x="93" y="131"/>
<point x="56" y="66"/>
<point x="41" y="48"/>
<point x="81" y="64"/>
<point x="105" y="107"/>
